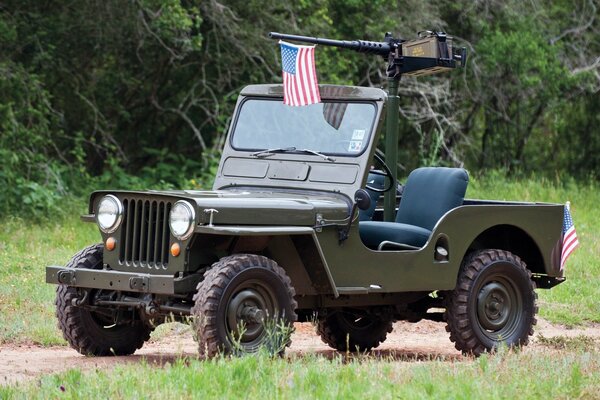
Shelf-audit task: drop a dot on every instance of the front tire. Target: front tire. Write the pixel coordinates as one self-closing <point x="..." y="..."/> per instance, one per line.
<point x="245" y="302"/>
<point x="493" y="304"/>
<point x="351" y="330"/>
<point x="86" y="331"/>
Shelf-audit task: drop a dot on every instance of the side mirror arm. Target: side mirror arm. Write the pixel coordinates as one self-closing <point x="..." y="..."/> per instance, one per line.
<point x="362" y="201"/>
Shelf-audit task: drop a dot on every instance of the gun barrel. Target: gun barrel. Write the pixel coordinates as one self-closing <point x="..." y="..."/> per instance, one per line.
<point x="362" y="46"/>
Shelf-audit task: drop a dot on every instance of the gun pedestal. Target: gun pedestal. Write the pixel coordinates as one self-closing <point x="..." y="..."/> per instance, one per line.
<point x="391" y="147"/>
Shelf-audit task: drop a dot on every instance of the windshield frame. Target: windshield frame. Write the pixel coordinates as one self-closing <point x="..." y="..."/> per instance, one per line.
<point x="368" y="137"/>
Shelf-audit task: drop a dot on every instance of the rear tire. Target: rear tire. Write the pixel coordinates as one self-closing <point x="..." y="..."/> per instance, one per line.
<point x="493" y="304"/>
<point x="85" y="331"/>
<point x="348" y="330"/>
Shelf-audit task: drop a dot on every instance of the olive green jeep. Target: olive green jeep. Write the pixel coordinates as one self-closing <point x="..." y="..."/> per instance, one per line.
<point x="294" y="230"/>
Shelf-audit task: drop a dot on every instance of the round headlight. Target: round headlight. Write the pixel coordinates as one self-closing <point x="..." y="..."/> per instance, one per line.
<point x="109" y="213"/>
<point x="181" y="220"/>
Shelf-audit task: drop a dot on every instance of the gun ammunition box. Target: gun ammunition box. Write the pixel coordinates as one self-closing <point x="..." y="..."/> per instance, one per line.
<point x="431" y="47"/>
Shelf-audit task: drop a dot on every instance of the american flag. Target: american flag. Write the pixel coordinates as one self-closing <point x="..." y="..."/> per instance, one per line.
<point x="570" y="241"/>
<point x="300" y="86"/>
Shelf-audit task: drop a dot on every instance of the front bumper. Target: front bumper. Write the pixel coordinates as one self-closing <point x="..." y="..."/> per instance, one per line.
<point x="121" y="281"/>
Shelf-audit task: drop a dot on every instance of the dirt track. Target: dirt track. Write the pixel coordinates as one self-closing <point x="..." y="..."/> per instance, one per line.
<point x="408" y="342"/>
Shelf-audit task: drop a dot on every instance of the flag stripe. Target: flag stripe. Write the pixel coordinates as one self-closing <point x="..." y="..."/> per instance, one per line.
<point x="311" y="77"/>
<point x="570" y="236"/>
<point x="298" y="79"/>
<point x="303" y="84"/>
<point x="566" y="253"/>
<point x="571" y="245"/>
<point x="304" y="77"/>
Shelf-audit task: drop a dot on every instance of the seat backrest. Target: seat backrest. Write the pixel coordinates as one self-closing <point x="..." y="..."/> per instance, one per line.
<point x="431" y="192"/>
<point x="376" y="181"/>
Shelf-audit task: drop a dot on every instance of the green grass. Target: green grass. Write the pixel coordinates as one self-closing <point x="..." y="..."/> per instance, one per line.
<point x="26" y="301"/>
<point x="505" y="375"/>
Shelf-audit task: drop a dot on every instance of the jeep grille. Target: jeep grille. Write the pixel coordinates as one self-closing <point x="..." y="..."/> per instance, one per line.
<point x="145" y="234"/>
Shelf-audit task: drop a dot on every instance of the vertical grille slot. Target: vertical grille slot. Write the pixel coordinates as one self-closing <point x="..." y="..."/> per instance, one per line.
<point x="145" y="234"/>
<point x="165" y="246"/>
<point x="143" y="244"/>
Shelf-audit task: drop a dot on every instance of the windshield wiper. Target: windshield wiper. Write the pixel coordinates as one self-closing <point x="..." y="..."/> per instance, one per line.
<point x="270" y="152"/>
<point x="316" y="153"/>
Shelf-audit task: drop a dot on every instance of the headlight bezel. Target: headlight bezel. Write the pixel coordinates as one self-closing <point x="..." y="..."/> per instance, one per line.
<point x="119" y="214"/>
<point x="191" y="220"/>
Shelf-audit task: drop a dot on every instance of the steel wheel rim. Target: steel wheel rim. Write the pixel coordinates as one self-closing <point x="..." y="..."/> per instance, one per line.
<point x="250" y="305"/>
<point x="498" y="307"/>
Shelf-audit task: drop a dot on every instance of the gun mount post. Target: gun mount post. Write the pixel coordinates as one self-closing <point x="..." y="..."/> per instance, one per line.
<point x="391" y="148"/>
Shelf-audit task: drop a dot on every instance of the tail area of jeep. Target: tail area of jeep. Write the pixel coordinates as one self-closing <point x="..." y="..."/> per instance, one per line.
<point x="307" y="222"/>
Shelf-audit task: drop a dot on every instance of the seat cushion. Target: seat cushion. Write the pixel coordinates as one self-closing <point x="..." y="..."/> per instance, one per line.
<point x="430" y="193"/>
<point x="372" y="233"/>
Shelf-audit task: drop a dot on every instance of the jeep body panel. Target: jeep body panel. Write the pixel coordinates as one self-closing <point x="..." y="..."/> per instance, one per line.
<point x="380" y="271"/>
<point x="357" y="269"/>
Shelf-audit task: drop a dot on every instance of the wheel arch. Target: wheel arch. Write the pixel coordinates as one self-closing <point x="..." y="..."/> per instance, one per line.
<point x="299" y="255"/>
<point x="514" y="239"/>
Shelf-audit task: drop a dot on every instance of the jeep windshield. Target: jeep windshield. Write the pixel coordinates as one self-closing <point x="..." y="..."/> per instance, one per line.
<point x="336" y="128"/>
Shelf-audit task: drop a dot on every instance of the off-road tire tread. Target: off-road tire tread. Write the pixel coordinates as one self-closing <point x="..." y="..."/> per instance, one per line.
<point x="210" y="290"/>
<point x="74" y="326"/>
<point x="456" y="316"/>
<point x="338" y="340"/>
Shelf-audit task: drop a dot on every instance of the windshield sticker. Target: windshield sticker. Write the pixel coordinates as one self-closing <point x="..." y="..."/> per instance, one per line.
<point x="358" y="134"/>
<point x="355" y="146"/>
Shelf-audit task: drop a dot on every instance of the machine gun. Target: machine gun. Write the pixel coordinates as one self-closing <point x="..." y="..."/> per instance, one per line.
<point x="430" y="53"/>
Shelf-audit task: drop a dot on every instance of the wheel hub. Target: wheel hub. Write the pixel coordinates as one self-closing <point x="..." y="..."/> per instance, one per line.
<point x="493" y="306"/>
<point x="245" y="315"/>
<point x="253" y="315"/>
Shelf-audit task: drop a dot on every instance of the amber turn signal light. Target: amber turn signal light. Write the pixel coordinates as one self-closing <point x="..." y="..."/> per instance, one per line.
<point x="110" y="244"/>
<point x="175" y="249"/>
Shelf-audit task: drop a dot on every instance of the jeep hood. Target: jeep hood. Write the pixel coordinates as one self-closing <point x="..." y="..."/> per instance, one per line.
<point x="250" y="207"/>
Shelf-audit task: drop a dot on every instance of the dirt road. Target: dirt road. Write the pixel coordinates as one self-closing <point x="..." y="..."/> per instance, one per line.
<point x="408" y="342"/>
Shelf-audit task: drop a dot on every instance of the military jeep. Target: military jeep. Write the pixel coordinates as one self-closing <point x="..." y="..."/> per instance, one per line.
<point x="307" y="222"/>
<point x="293" y="230"/>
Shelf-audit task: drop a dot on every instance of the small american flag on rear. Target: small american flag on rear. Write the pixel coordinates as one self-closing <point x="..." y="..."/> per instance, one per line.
<point x="570" y="241"/>
<point x="300" y="86"/>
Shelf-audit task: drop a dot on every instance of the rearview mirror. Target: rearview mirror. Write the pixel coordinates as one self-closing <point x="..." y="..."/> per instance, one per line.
<point x="362" y="199"/>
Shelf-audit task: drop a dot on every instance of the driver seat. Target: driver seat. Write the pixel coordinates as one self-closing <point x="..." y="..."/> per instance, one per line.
<point x="429" y="193"/>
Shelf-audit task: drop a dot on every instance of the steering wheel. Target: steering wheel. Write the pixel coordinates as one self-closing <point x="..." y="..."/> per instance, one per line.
<point x="387" y="173"/>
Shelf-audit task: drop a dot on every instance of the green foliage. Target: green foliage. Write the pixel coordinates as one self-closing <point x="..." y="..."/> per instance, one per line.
<point x="140" y="94"/>
<point x="30" y="177"/>
<point x="528" y="79"/>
